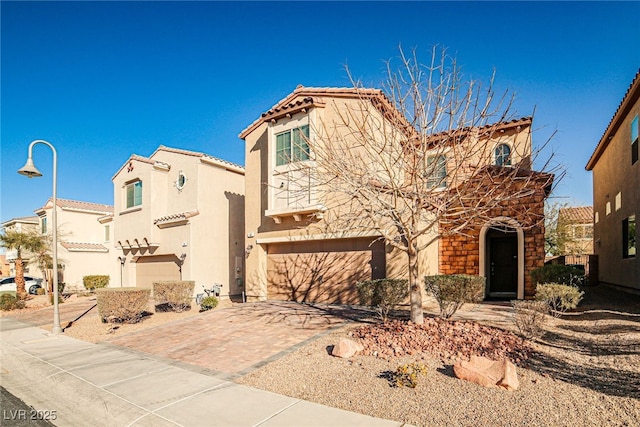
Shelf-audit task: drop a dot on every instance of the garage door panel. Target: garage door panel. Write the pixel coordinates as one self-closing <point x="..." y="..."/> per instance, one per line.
<point x="156" y="268"/>
<point x="297" y="273"/>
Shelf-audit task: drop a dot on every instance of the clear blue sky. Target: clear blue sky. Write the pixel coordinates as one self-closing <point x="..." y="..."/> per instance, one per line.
<point x="104" y="80"/>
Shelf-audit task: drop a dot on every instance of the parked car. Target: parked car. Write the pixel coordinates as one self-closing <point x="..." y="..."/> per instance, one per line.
<point x="31" y="284"/>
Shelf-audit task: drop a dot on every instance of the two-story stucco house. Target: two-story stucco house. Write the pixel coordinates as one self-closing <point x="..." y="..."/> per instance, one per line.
<point x="84" y="242"/>
<point x="575" y="230"/>
<point x="24" y="224"/>
<point x="179" y="214"/>
<point x="616" y="194"/>
<point x="290" y="254"/>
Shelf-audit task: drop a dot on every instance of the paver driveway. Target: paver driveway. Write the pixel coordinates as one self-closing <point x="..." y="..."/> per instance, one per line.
<point x="236" y="340"/>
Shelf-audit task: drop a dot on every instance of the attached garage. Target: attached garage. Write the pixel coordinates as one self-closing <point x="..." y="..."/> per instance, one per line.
<point x="322" y="271"/>
<point x="151" y="269"/>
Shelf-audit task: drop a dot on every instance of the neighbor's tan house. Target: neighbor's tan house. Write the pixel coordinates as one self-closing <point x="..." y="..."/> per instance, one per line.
<point x="22" y="224"/>
<point x="575" y="230"/>
<point x="85" y="242"/>
<point x="616" y="194"/>
<point x="289" y="256"/>
<point x="179" y="214"/>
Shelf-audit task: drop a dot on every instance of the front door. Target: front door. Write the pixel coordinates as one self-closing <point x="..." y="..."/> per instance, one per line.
<point x="503" y="264"/>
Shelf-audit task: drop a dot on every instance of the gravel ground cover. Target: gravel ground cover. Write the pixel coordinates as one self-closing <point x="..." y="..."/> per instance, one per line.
<point x="585" y="371"/>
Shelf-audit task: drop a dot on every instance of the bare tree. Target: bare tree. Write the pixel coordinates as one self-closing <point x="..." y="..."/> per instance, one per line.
<point x="412" y="164"/>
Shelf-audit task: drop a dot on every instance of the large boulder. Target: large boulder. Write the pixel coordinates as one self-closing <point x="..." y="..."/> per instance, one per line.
<point x="346" y="348"/>
<point x="488" y="373"/>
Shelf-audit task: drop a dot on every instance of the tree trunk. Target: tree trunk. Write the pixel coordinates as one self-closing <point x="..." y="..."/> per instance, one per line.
<point x="415" y="293"/>
<point x="20" y="289"/>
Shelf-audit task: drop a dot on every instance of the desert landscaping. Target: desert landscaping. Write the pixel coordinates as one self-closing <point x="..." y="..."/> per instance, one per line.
<point x="582" y="371"/>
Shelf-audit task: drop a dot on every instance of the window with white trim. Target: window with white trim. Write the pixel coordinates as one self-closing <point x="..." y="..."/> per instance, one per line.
<point x="503" y="155"/>
<point x="134" y="194"/>
<point x="43" y="224"/>
<point x="107" y="233"/>
<point x="292" y="146"/>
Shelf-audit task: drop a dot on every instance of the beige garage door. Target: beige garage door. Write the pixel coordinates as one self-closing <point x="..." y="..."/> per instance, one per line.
<point x="324" y="271"/>
<point x="151" y="269"/>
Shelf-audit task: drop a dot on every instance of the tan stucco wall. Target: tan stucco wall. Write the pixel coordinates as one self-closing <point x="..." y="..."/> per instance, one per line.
<point x="76" y="226"/>
<point x="212" y="235"/>
<point x="613" y="174"/>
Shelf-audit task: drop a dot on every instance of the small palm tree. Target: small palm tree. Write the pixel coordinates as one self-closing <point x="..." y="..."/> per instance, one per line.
<point x="21" y="242"/>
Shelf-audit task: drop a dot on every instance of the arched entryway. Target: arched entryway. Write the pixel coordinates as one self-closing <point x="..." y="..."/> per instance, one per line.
<point x="502" y="258"/>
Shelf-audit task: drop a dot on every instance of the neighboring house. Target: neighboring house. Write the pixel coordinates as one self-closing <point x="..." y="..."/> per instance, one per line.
<point x="290" y="256"/>
<point x="616" y="194"/>
<point x="575" y="230"/>
<point x="179" y="215"/>
<point x="5" y="266"/>
<point x="22" y="224"/>
<point x="84" y="243"/>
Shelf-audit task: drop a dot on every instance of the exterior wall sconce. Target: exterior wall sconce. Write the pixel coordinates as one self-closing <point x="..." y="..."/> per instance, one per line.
<point x="247" y="250"/>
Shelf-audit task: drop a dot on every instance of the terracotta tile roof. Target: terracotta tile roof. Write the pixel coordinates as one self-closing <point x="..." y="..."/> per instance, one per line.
<point x="174" y="218"/>
<point x="576" y="215"/>
<point x="314" y="96"/>
<point x="23" y="219"/>
<point x="84" y="247"/>
<point x="79" y="205"/>
<point x="630" y="97"/>
<point x="220" y="162"/>
<point x="140" y="159"/>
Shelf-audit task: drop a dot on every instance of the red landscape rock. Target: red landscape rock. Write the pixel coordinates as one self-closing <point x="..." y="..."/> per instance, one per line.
<point x="488" y="373"/>
<point x="346" y="348"/>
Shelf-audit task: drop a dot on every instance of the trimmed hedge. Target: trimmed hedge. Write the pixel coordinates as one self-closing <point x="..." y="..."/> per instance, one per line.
<point x="95" y="281"/>
<point x="122" y="305"/>
<point x="383" y="294"/>
<point x="173" y="295"/>
<point x="453" y="290"/>
<point x="10" y="302"/>
<point x="558" y="273"/>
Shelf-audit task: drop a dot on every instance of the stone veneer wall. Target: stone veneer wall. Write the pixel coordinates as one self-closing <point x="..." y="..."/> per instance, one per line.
<point x="460" y="254"/>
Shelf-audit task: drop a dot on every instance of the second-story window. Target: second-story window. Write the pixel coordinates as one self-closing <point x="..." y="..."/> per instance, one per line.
<point x="437" y="171"/>
<point x="635" y="130"/>
<point x="503" y="155"/>
<point x="134" y="194"/>
<point x="291" y="146"/>
<point x="44" y="225"/>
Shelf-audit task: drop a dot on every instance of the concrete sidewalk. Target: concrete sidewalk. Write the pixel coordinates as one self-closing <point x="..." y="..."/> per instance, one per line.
<point x="96" y="384"/>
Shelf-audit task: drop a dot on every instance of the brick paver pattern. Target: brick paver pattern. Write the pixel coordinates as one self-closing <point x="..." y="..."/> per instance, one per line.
<point x="238" y="339"/>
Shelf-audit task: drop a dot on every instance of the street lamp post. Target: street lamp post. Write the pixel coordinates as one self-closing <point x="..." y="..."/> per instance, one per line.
<point x="31" y="171"/>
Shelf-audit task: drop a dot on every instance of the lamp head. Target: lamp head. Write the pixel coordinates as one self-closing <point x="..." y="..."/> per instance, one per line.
<point x="29" y="169"/>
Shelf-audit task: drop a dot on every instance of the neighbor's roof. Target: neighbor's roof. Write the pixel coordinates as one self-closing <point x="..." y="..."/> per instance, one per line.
<point x="22" y="219"/>
<point x="629" y="98"/>
<point x="205" y="157"/>
<point x="576" y="215"/>
<point x="306" y="97"/>
<point x="79" y="206"/>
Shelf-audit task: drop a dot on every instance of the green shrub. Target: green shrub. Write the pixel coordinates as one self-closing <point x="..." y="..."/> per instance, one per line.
<point x="122" y="305"/>
<point x="208" y="303"/>
<point x="407" y="375"/>
<point x="558" y="297"/>
<point x="383" y="294"/>
<point x="530" y="317"/>
<point x="453" y="290"/>
<point x="173" y="295"/>
<point x="10" y="302"/>
<point x="558" y="273"/>
<point x="40" y="291"/>
<point x="95" y="281"/>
